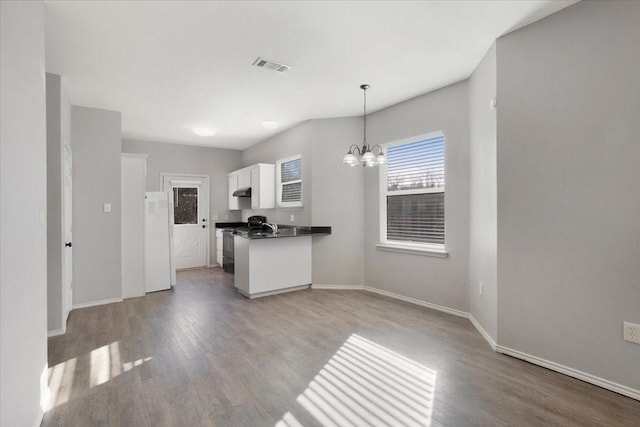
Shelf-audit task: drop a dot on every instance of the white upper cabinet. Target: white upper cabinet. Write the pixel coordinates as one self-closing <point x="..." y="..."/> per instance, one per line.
<point x="261" y="178"/>
<point x="244" y="179"/>
<point x="233" y="186"/>
<point x="263" y="186"/>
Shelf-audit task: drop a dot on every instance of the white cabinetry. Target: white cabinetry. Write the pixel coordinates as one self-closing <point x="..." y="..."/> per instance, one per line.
<point x="261" y="178"/>
<point x="263" y="186"/>
<point x="133" y="172"/>
<point x="244" y="179"/>
<point x="270" y="266"/>
<point x="233" y="186"/>
<point x="219" y="246"/>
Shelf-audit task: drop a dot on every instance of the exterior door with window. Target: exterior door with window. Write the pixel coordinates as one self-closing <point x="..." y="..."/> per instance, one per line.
<point x="190" y="213"/>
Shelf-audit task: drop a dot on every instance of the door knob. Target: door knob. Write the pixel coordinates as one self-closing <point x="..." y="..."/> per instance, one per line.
<point x="68" y="244"/>
<point x="204" y="226"/>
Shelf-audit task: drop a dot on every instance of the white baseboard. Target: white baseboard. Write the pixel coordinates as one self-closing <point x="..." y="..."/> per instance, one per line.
<point x="592" y="379"/>
<point x="95" y="303"/>
<point x="276" y="292"/>
<point x="484" y="333"/>
<point x="418" y="302"/>
<point x="56" y="332"/>
<point x="343" y="287"/>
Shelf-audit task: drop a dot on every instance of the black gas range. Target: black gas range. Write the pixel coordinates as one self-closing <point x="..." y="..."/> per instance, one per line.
<point x="254" y="223"/>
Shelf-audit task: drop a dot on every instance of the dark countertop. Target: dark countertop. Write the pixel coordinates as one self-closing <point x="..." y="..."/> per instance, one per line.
<point x="240" y="229"/>
<point x="231" y="224"/>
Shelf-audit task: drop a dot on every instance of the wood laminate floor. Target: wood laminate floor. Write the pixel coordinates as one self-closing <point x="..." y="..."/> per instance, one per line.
<point x="201" y="354"/>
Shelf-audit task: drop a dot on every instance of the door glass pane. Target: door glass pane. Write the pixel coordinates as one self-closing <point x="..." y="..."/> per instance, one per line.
<point x="185" y="205"/>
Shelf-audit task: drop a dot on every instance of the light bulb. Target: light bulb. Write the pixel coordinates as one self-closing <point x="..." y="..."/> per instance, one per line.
<point x="368" y="157"/>
<point x="350" y="159"/>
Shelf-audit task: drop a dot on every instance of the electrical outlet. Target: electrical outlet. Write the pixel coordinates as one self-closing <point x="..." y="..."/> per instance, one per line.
<point x="106" y="207"/>
<point x="632" y="332"/>
<point x="292" y="218"/>
<point x="226" y="217"/>
<point x="480" y="289"/>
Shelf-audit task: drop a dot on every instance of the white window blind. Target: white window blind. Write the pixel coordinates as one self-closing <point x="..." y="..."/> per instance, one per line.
<point x="290" y="182"/>
<point x="415" y="191"/>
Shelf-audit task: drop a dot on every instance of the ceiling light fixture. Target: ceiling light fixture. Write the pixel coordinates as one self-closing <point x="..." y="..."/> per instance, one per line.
<point x="204" y="131"/>
<point x="367" y="154"/>
<point x="270" y="124"/>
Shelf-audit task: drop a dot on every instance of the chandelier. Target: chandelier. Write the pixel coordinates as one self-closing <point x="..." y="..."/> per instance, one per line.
<point x="365" y="155"/>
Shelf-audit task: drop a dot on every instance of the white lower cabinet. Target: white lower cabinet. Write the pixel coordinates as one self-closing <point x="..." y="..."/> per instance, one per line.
<point x="270" y="266"/>
<point x="219" y="246"/>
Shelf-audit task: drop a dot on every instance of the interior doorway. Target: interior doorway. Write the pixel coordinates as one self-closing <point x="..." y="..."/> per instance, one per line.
<point x="190" y="195"/>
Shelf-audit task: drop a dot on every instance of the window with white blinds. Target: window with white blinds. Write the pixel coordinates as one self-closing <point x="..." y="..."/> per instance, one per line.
<point x="289" y="181"/>
<point x="413" y="191"/>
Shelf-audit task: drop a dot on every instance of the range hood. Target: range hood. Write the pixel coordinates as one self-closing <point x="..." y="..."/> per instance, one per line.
<point x="242" y="192"/>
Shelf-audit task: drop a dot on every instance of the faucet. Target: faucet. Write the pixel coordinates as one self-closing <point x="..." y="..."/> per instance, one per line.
<point x="273" y="227"/>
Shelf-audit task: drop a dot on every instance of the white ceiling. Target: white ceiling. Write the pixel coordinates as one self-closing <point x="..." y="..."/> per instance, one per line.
<point x="169" y="65"/>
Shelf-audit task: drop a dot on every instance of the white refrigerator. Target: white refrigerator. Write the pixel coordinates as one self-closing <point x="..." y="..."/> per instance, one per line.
<point x="159" y="259"/>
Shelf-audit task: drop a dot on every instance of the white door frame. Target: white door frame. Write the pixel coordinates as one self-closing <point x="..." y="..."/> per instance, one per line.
<point x="66" y="205"/>
<point x="165" y="184"/>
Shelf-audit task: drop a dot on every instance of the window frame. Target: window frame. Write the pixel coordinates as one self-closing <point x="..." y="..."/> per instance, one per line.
<point x="416" y="248"/>
<point x="280" y="184"/>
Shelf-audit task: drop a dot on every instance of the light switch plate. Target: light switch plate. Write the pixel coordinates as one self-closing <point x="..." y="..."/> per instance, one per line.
<point x="107" y="207"/>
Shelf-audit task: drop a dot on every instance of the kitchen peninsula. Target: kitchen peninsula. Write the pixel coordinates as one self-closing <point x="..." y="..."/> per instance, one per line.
<point x="268" y="262"/>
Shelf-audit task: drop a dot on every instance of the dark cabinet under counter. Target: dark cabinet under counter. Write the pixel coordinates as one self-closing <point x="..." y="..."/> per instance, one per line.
<point x="228" y="264"/>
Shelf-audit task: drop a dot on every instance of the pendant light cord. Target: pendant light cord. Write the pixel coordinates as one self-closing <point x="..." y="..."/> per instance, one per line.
<point x="365" y="116"/>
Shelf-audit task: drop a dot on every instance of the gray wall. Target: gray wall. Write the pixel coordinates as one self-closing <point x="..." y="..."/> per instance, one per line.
<point x="568" y="170"/>
<point x="96" y="140"/>
<point x="337" y="201"/>
<point x="483" y="192"/>
<point x="58" y="129"/>
<point x="172" y="158"/>
<point x="332" y="195"/>
<point x="286" y="144"/>
<point x="441" y="281"/>
<point x="23" y="247"/>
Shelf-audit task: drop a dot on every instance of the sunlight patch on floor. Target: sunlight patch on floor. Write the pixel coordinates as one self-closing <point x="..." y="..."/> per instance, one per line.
<point x="60" y="383"/>
<point x="104" y="364"/>
<point x="367" y="384"/>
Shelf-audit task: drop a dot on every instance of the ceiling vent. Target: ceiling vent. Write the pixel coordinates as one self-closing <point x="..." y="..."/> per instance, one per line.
<point x="267" y="63"/>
